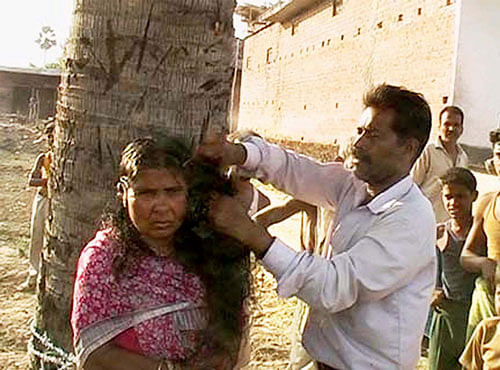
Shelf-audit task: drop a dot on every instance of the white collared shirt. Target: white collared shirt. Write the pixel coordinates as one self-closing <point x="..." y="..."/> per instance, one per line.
<point x="369" y="302"/>
<point x="432" y="164"/>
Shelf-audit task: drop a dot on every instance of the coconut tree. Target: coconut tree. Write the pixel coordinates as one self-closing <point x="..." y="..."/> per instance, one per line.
<point x="133" y="68"/>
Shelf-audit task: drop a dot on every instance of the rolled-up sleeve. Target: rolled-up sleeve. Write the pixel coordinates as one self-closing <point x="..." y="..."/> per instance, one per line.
<point x="385" y="259"/>
<point x="322" y="184"/>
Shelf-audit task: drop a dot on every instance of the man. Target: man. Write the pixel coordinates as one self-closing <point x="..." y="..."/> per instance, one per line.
<point x="483" y="349"/>
<point x="369" y="301"/>
<point x="437" y="158"/>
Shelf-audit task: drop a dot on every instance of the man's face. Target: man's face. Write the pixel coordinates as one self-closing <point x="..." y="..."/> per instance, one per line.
<point x="379" y="156"/>
<point x="458" y="200"/>
<point x="450" y="127"/>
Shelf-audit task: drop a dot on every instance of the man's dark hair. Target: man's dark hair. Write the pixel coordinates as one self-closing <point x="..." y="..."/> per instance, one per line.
<point x="414" y="119"/>
<point x="459" y="176"/>
<point x="452" y="109"/>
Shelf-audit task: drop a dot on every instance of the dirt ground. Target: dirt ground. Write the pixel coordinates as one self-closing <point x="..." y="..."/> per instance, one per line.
<point x="17" y="151"/>
<point x="269" y="335"/>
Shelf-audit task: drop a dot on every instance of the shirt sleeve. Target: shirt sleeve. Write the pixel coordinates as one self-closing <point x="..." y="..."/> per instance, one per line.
<point x="471" y="357"/>
<point x="292" y="173"/>
<point x="387" y="258"/>
<point x="421" y="167"/>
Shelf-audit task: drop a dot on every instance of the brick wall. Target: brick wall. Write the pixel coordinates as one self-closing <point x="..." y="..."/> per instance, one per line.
<point x="304" y="79"/>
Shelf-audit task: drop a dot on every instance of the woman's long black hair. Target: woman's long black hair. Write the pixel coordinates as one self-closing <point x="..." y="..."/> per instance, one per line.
<point x="220" y="261"/>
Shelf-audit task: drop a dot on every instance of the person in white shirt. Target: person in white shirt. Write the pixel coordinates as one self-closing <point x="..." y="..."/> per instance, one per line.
<point x="369" y="300"/>
<point x="439" y="157"/>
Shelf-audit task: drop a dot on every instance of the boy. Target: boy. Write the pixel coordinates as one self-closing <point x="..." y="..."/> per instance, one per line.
<point x="483" y="349"/>
<point x="452" y="296"/>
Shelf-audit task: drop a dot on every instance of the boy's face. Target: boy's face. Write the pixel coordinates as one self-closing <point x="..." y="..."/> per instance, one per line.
<point x="457" y="200"/>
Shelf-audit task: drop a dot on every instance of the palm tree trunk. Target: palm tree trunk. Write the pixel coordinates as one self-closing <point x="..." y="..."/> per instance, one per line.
<point x="133" y="68"/>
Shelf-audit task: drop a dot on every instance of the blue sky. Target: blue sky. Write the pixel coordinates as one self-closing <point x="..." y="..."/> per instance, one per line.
<point x="21" y="21"/>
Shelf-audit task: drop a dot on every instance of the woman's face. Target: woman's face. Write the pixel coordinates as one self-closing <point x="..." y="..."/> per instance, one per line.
<point x="156" y="203"/>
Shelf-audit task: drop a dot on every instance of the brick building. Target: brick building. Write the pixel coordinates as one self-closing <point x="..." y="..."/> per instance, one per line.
<point x="17" y="85"/>
<point x="305" y="72"/>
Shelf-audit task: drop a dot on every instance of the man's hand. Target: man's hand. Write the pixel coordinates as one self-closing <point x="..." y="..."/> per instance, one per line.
<point x="437" y="297"/>
<point x="216" y="149"/>
<point x="488" y="268"/>
<point x="229" y="217"/>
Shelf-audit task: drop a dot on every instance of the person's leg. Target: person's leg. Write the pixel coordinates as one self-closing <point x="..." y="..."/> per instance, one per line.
<point x="37" y="229"/>
<point x="39" y="214"/>
<point x="447" y="335"/>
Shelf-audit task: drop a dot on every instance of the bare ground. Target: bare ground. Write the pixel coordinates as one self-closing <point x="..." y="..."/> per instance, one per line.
<point x="17" y="151"/>
<point x="271" y="320"/>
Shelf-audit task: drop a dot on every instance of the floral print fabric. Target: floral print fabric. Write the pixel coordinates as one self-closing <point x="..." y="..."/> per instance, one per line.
<point x="149" y="282"/>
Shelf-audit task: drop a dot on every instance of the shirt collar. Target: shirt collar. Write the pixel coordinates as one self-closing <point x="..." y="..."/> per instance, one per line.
<point x="388" y="197"/>
<point x="439" y="145"/>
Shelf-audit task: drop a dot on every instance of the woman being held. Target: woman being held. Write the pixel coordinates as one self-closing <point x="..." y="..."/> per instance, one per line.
<point x="156" y="288"/>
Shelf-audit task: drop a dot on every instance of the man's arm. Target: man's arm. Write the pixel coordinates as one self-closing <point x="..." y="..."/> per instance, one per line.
<point x="377" y="265"/>
<point x="281" y="213"/>
<point x="474" y="255"/>
<point x="300" y="176"/>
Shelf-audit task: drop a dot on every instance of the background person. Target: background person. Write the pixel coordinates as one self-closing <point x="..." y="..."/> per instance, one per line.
<point x="483" y="349"/>
<point x="452" y="296"/>
<point x="481" y="254"/>
<point x="38" y="178"/>
<point x="369" y="301"/>
<point x="156" y="288"/>
<point x="440" y="156"/>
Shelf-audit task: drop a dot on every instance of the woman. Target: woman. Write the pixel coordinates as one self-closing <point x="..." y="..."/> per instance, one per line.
<point x="157" y="288"/>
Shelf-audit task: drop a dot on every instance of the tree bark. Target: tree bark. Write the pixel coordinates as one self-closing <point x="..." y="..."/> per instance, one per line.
<point x="133" y="68"/>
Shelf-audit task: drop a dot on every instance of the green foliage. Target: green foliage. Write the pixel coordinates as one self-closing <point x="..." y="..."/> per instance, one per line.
<point x="46" y="38"/>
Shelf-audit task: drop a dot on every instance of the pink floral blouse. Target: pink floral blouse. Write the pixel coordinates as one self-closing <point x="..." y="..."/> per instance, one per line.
<point x="151" y="281"/>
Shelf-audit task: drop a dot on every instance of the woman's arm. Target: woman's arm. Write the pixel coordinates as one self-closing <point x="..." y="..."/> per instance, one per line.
<point x="112" y="357"/>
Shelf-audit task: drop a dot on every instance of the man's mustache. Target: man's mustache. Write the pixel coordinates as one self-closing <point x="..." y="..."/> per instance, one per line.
<point x="361" y="155"/>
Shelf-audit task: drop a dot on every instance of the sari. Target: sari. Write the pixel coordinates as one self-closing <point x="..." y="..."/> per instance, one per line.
<point x="155" y="308"/>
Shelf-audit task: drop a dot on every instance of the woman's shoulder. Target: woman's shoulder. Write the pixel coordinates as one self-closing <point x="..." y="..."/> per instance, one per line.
<point x="103" y="247"/>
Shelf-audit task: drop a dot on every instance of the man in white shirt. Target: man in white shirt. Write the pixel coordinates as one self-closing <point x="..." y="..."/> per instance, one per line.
<point x="369" y="301"/>
<point x="439" y="157"/>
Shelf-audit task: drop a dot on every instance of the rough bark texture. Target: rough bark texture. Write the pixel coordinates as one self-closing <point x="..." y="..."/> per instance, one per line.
<point x="134" y="68"/>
